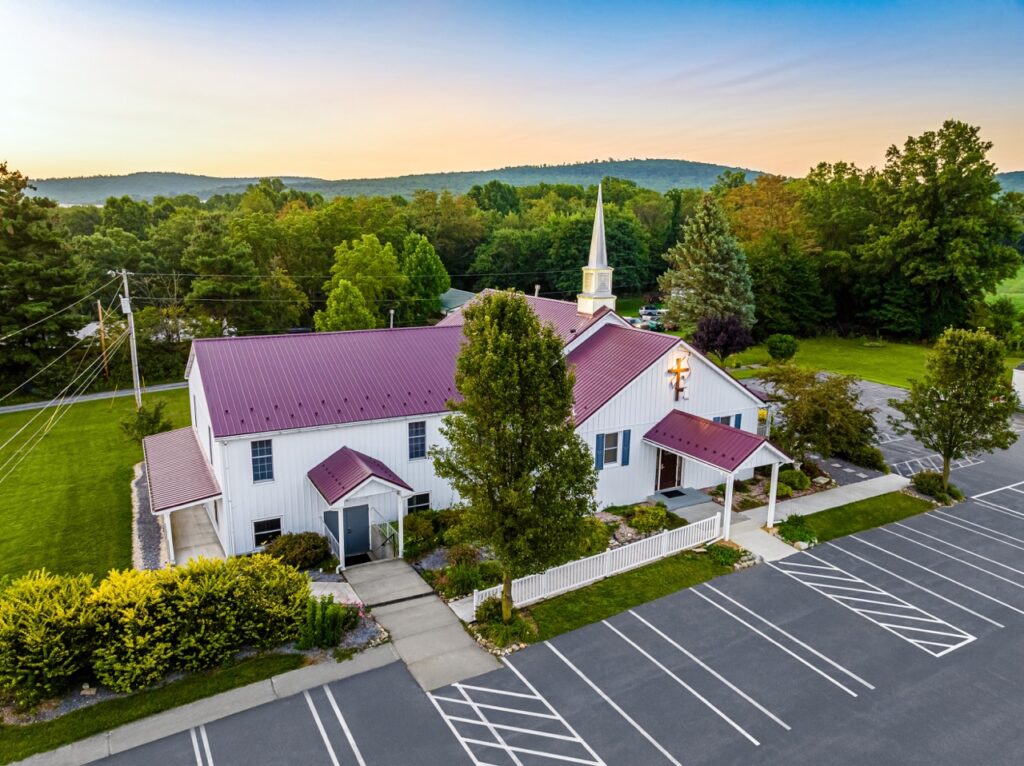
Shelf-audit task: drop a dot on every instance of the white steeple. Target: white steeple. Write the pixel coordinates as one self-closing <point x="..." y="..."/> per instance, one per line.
<point x="597" y="276"/>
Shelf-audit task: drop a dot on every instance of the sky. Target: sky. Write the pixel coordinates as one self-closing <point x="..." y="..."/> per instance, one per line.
<point x="360" y="89"/>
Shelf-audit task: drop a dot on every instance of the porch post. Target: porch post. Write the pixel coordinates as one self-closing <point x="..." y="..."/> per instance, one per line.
<point x="401" y="525"/>
<point x="727" y="518"/>
<point x="170" y="537"/>
<point x="771" y="494"/>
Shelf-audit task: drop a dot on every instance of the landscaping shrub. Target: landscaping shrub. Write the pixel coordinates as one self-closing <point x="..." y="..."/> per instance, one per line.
<point x="781" y="347"/>
<point x="302" y="550"/>
<point x="502" y="634"/>
<point x="326" y="622"/>
<point x="783" y="491"/>
<point x="200" y="604"/>
<point x="748" y="503"/>
<point x="489" y="610"/>
<point x="866" y="456"/>
<point x="740" y="485"/>
<point x="462" y="580"/>
<point x="724" y="555"/>
<point x="930" y="483"/>
<point x="490" y="573"/>
<point x="270" y="600"/>
<point x="419" y="533"/>
<point x="796" y="529"/>
<point x="146" y="421"/>
<point x="462" y="553"/>
<point x="595" y="537"/>
<point x="796" y="480"/>
<point x="135" y="628"/>
<point x="46" y="634"/>
<point x="648" y="519"/>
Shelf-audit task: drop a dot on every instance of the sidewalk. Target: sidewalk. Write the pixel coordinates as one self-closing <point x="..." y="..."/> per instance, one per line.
<point x="204" y="711"/>
<point x="750" y="534"/>
<point x="427" y="635"/>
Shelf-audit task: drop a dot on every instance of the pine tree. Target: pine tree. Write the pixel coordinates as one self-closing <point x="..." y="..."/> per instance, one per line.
<point x="37" y="279"/>
<point x="526" y="479"/>
<point x="707" y="274"/>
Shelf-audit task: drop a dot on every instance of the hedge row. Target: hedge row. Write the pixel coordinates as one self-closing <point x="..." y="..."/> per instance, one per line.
<point x="135" y="627"/>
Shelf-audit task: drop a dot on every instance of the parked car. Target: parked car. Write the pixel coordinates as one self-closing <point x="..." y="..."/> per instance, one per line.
<point x="649" y="309"/>
<point x="636" y="321"/>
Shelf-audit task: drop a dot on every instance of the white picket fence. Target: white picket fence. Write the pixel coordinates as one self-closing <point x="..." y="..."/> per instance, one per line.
<point x="576" y="574"/>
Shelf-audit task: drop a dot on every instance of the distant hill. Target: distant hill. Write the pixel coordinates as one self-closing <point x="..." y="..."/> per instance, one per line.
<point x="660" y="175"/>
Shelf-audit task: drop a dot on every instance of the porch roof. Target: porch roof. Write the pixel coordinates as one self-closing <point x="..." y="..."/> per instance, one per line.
<point x="715" y="444"/>
<point x="346" y="470"/>
<point x="178" y="472"/>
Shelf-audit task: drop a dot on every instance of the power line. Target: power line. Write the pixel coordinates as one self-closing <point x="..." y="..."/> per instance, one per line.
<point x="56" y="313"/>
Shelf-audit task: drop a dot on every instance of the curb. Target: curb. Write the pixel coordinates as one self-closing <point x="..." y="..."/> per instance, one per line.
<point x="210" y="709"/>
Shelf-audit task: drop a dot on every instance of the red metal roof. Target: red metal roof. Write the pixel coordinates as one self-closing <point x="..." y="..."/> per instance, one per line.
<point x="563" y="315"/>
<point x="716" y="443"/>
<point x="345" y="470"/>
<point x="178" y="472"/>
<point x="609" y="360"/>
<point x="279" y="382"/>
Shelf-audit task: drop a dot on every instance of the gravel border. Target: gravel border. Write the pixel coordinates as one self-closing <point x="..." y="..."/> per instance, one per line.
<point x="149" y="547"/>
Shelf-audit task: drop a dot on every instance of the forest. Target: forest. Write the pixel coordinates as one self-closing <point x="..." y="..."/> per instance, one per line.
<point x="901" y="251"/>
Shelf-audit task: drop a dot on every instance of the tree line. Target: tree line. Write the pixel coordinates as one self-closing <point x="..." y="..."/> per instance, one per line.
<point x="904" y="251"/>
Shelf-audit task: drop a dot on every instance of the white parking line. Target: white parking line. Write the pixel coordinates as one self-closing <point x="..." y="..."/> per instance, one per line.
<point x="195" y="748"/>
<point x="489" y="725"/>
<point x="945" y="515"/>
<point x="916" y="585"/>
<point x="1001" y="508"/>
<point x="889" y="619"/>
<point x="455" y="732"/>
<point x="771" y="640"/>
<point x="713" y="672"/>
<point x="998" y="489"/>
<point x="954" y="545"/>
<point x="320" y="728"/>
<point x="707" y="703"/>
<point x="614" y="706"/>
<point x="344" y="726"/>
<point x="951" y="556"/>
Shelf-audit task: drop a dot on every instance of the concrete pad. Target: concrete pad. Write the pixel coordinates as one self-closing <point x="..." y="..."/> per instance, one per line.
<point x="451" y="667"/>
<point x="343" y="592"/>
<point x="463" y="609"/>
<point x="383" y="581"/>
<point x="437" y="641"/>
<point x="768" y="547"/>
<point x="410" y="618"/>
<point x="309" y="677"/>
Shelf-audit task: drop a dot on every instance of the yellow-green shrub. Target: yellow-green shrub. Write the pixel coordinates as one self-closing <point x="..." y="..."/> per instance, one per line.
<point x="45" y="634"/>
<point x="270" y="599"/>
<point x="136" y="628"/>
<point x="205" y="615"/>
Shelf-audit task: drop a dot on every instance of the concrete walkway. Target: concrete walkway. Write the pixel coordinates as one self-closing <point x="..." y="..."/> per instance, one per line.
<point x="427" y="635"/>
<point x="193" y="536"/>
<point x="750" y="533"/>
<point x="213" y="708"/>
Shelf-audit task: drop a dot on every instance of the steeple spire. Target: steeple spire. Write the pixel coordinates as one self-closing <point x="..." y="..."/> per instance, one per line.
<point x="597" y="276"/>
<point x="598" y="252"/>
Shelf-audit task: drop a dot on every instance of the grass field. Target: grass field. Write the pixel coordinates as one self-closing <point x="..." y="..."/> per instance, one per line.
<point x="1014" y="288"/>
<point x="18" y="742"/>
<point x="864" y="514"/>
<point x="880" y="361"/>
<point x="67" y="506"/>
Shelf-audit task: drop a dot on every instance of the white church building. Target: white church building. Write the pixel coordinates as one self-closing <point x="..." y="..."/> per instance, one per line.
<point x="330" y="432"/>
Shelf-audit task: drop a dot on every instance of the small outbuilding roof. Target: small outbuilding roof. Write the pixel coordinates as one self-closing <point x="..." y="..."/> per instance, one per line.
<point x="713" y="443"/>
<point x="347" y="469"/>
<point x="178" y="472"/>
<point x="453" y="298"/>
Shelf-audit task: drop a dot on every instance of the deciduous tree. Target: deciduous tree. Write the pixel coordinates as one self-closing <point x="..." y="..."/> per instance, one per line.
<point x="346" y="309"/>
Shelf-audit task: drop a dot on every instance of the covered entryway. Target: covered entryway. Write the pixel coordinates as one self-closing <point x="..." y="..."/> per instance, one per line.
<point x="185" y="494"/>
<point x="670" y="471"/>
<point x="365" y="506"/>
<point x="714" y="445"/>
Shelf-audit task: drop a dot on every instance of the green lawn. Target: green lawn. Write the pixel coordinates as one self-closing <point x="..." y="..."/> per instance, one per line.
<point x="880" y="361"/>
<point x="18" y="742"/>
<point x="67" y="506"/>
<point x="615" y="594"/>
<point x="864" y="514"/>
<point x="1014" y="287"/>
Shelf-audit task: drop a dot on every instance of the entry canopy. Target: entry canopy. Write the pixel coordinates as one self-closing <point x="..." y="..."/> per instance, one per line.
<point x="178" y="472"/>
<point x="715" y="444"/>
<point x="347" y="470"/>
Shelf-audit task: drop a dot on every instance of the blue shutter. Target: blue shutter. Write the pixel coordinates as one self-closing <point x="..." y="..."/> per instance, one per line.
<point x="738" y="420"/>
<point x="625" y="448"/>
<point x="599" y="455"/>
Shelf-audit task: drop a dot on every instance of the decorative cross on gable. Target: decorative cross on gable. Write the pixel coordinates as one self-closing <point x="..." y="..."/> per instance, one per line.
<point x="681" y="370"/>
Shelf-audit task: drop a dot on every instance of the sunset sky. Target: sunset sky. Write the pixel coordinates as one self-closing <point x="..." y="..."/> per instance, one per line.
<point x="361" y="89"/>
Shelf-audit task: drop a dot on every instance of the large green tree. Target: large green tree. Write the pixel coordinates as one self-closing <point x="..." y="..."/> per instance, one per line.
<point x="346" y="309"/>
<point x="526" y="479"/>
<point x="426" y="279"/>
<point x="38" y="285"/>
<point x="707" y="274"/>
<point x="964" y="402"/>
<point x="373" y="268"/>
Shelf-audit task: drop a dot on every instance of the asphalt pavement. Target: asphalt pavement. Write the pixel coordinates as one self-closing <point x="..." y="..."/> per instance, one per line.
<point x="93" y="397"/>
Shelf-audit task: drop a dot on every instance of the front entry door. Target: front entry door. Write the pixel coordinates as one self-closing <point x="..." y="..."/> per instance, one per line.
<point x="668" y="470"/>
<point x="357" y="530"/>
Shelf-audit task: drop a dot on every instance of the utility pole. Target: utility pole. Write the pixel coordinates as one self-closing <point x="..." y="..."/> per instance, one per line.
<point x="103" y="340"/>
<point x="126" y="308"/>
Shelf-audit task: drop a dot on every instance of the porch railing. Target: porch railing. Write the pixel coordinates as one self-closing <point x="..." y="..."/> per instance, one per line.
<point x="331" y="540"/>
<point x="383" y="537"/>
<point x="576" y="574"/>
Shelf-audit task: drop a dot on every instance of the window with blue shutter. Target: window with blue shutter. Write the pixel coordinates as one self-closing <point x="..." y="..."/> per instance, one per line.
<point x="723" y="419"/>
<point x="599" y="452"/>
<point x="625" y="447"/>
<point x="737" y="421"/>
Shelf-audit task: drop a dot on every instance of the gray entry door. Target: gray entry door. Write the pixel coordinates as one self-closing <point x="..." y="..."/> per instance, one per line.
<point x="357" y="530"/>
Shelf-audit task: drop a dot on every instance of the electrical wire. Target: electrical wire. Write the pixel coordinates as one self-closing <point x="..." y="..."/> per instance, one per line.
<point x="61" y="311"/>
